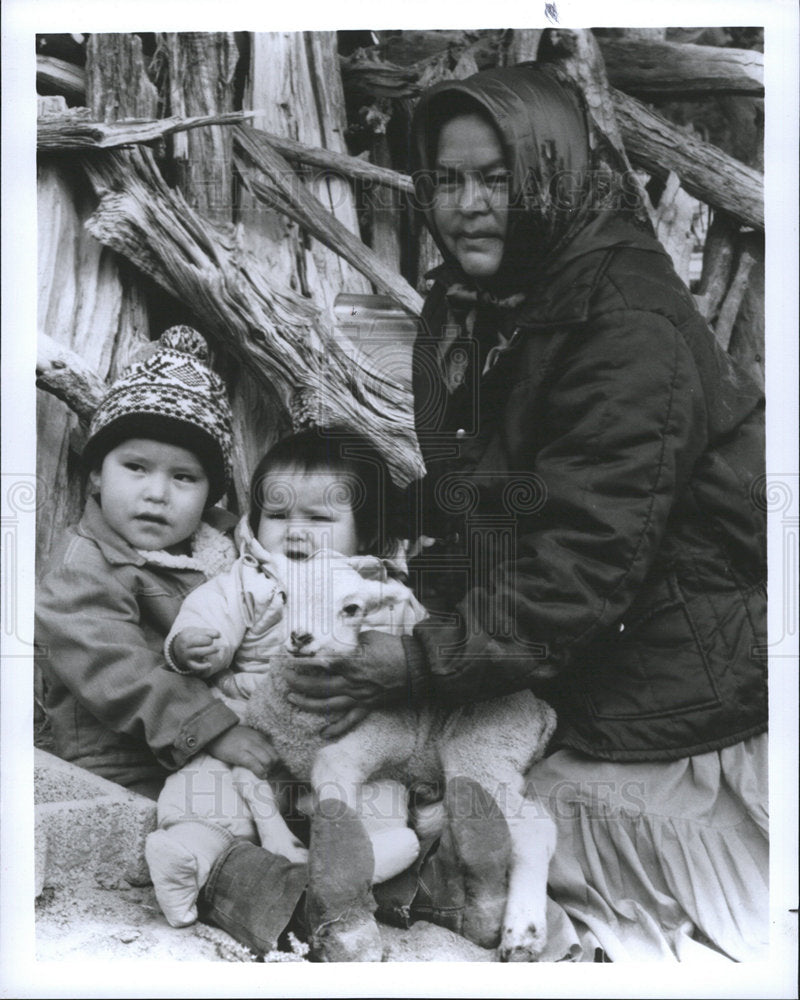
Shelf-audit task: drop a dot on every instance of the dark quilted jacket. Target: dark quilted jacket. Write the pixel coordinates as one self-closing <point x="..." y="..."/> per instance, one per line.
<point x="594" y="495"/>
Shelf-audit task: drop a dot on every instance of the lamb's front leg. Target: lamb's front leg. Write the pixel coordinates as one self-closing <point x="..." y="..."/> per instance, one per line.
<point x="339" y="903"/>
<point x="340" y="772"/>
<point x="533" y="841"/>
<point x="273" y="832"/>
<point x="512" y="912"/>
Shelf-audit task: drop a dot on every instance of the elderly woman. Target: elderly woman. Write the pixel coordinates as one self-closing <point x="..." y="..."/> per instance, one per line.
<point x="590" y="526"/>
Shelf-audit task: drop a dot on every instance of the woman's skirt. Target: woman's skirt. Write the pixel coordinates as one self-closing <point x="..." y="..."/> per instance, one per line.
<point x="659" y="860"/>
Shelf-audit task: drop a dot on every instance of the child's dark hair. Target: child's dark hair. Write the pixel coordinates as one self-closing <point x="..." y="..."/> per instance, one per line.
<point x="374" y="498"/>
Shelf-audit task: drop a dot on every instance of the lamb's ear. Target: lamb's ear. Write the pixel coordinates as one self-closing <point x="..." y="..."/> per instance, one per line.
<point x="368" y="567"/>
<point x="391" y="592"/>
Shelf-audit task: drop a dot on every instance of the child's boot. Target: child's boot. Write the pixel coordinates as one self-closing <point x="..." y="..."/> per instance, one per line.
<point x="253" y="894"/>
<point x="339" y="901"/>
<point x="180" y="859"/>
<point x="459" y="880"/>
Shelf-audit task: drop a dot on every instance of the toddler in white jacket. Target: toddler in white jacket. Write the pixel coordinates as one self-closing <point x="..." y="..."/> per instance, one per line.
<point x="311" y="500"/>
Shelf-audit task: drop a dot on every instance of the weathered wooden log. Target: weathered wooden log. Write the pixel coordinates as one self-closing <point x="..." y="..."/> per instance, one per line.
<point x="87" y="303"/>
<point x="78" y="129"/>
<point x="267" y="233"/>
<point x="639" y="34"/>
<point x="352" y="167"/>
<point x="385" y="216"/>
<point x="201" y="68"/>
<point x="66" y="375"/>
<point x="367" y="73"/>
<point x="284" y="339"/>
<point x="415" y="46"/>
<point x="733" y="297"/>
<point x="745" y="137"/>
<point x="55" y="76"/>
<point x="87" y="300"/>
<point x="75" y="131"/>
<point x="295" y="82"/>
<point x="524" y="45"/>
<point x="366" y="76"/>
<point x="117" y="84"/>
<point x="718" y="256"/>
<point x="672" y="221"/>
<point x="705" y="171"/>
<point x="653" y="69"/>
<point x="747" y="337"/>
<point x="274" y="181"/>
<point x="55" y="105"/>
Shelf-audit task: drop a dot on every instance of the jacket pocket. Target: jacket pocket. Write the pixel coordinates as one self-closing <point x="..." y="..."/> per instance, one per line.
<point x="652" y="664"/>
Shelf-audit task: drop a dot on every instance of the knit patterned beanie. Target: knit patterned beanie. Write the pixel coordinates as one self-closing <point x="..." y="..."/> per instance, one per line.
<point x="172" y="396"/>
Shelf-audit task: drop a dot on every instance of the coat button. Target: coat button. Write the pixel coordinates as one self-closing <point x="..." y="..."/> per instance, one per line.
<point x="461" y="433"/>
<point x="191" y="742"/>
<point x="621" y="626"/>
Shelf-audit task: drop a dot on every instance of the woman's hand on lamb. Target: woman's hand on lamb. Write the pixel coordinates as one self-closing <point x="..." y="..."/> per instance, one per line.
<point x="198" y="650"/>
<point x="373" y="676"/>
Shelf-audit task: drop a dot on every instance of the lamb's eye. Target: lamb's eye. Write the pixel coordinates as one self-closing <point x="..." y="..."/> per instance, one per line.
<point x="350" y="610"/>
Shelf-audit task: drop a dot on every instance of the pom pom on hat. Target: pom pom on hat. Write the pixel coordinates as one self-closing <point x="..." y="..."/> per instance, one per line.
<point x="170" y="395"/>
<point x="186" y="340"/>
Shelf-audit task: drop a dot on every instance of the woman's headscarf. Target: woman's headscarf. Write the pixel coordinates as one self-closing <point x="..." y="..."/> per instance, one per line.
<point x="558" y="183"/>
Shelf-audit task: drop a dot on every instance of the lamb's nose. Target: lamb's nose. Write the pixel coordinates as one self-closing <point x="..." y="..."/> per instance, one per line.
<point x="300" y="639"/>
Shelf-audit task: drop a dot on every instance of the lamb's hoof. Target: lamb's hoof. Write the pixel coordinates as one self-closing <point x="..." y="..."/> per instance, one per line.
<point x="359" y="942"/>
<point x="525" y="947"/>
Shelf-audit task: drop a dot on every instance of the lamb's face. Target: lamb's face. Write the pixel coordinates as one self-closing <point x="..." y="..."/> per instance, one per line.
<point x="327" y="602"/>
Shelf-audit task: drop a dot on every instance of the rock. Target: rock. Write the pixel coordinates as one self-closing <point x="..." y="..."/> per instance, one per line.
<point x="127" y="936"/>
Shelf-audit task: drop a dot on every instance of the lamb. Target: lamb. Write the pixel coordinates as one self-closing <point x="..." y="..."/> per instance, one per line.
<point x="492" y="743"/>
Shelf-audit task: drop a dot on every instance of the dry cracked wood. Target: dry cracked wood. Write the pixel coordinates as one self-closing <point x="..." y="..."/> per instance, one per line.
<point x="268" y="176"/>
<point x="282" y="338"/>
<point x="661" y="69"/>
<point x="66" y="375"/>
<point x="78" y="129"/>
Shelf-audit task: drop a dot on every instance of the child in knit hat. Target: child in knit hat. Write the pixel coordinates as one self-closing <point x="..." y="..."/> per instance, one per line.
<point x="157" y="459"/>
